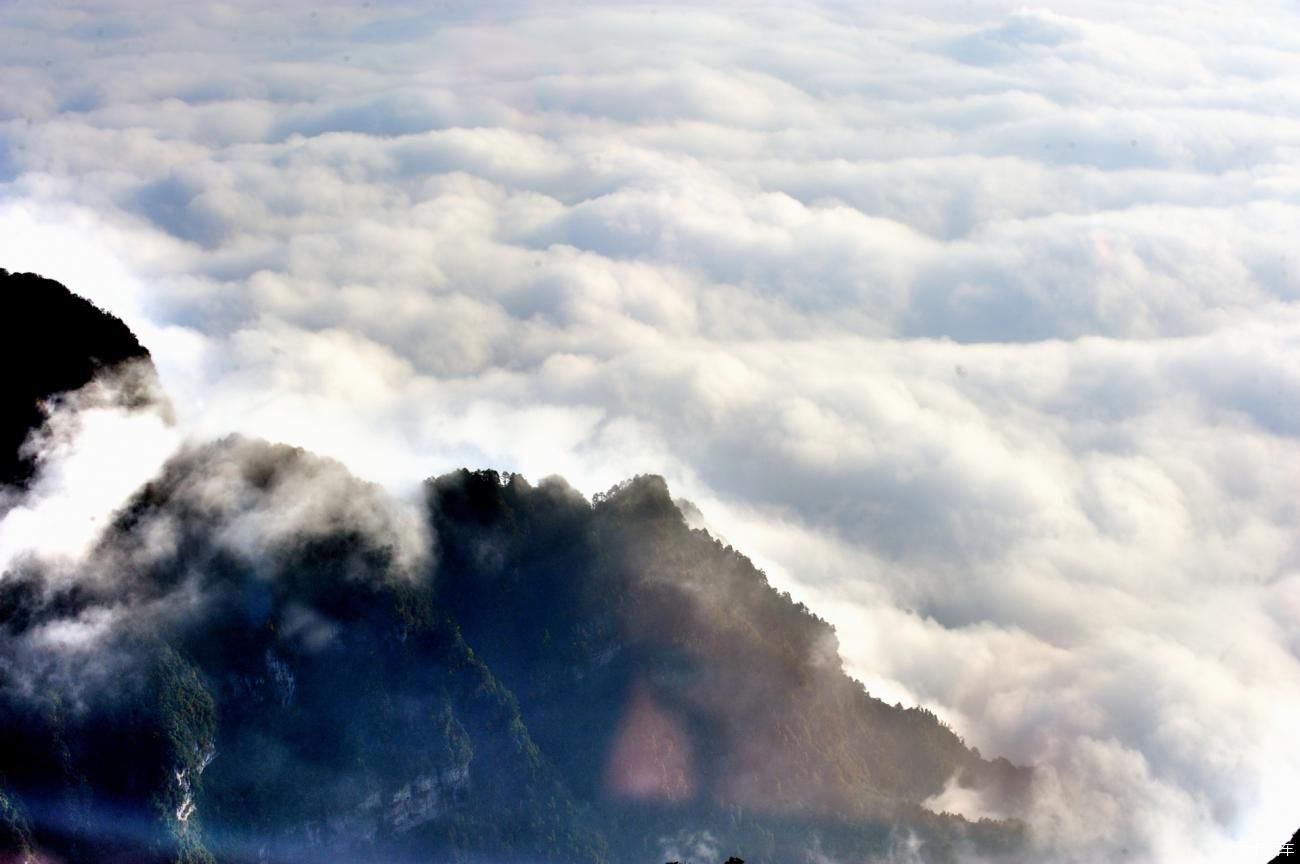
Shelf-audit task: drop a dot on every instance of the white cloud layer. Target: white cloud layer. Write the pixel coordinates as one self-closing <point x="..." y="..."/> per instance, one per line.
<point x="977" y="325"/>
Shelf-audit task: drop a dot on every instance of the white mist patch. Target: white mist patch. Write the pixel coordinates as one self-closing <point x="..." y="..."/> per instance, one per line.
<point x="691" y="847"/>
<point x="94" y="454"/>
<point x="306" y="497"/>
<point x="965" y="801"/>
<point x="81" y="633"/>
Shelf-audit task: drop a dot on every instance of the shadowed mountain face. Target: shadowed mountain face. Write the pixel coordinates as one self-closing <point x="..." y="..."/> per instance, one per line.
<point x="265" y="659"/>
<point x="51" y="342"/>
<point x="701" y="696"/>
<point x="264" y="696"/>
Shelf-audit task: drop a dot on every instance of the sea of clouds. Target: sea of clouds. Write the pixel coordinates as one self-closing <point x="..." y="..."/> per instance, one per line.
<point x="977" y="325"/>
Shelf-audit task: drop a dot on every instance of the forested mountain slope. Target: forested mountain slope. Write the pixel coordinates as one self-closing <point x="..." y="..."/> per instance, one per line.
<point x="266" y="659"/>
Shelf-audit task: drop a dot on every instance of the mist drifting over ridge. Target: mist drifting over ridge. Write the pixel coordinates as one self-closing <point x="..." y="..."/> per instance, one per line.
<point x="975" y="328"/>
<point x="637" y="684"/>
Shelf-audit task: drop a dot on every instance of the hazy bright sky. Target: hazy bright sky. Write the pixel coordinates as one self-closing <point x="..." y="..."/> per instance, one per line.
<point x="977" y="325"/>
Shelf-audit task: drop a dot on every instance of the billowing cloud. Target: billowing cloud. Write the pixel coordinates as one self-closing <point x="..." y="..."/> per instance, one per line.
<point x="976" y="326"/>
<point x="97" y="445"/>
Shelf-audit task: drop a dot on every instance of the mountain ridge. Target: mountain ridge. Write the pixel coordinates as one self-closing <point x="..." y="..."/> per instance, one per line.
<point x="265" y="659"/>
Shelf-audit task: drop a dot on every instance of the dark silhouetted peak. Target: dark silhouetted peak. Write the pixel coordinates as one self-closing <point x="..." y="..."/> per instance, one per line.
<point x="264" y="652"/>
<point x="661" y="669"/>
<point x="645" y="496"/>
<point x="51" y="342"/>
